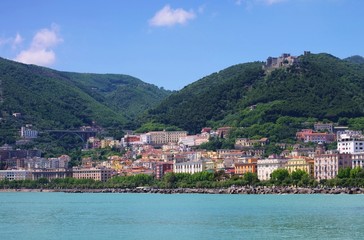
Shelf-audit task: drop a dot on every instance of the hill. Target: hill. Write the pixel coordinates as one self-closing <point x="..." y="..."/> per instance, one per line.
<point x="51" y="99"/>
<point x="122" y="93"/>
<point x="318" y="87"/>
<point x="355" y="59"/>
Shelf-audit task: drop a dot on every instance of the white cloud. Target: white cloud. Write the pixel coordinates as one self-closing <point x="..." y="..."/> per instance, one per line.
<point x="17" y="40"/>
<point x="169" y="17"/>
<point x="41" y="50"/>
<point x="11" y="41"/>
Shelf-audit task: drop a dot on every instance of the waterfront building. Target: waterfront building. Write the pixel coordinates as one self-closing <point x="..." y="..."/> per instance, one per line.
<point x="357" y="160"/>
<point x="51" y="173"/>
<point x="98" y="174"/>
<point x="301" y="163"/>
<point x="162" y="168"/>
<point x="266" y="166"/>
<point x="327" y="164"/>
<point x="15" y="175"/>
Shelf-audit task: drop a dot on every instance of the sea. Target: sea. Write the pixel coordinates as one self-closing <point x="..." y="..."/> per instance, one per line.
<point x="50" y="215"/>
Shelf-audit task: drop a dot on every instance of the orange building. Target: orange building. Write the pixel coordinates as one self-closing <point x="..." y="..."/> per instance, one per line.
<point x="248" y="166"/>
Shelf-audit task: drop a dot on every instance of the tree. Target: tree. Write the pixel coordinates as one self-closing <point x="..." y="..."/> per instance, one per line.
<point x="344" y="172"/>
<point x="355" y="172"/>
<point x="279" y="175"/>
<point x="298" y="176"/>
<point x="250" y="178"/>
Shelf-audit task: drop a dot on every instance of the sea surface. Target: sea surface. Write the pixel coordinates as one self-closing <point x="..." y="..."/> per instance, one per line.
<point x="37" y="215"/>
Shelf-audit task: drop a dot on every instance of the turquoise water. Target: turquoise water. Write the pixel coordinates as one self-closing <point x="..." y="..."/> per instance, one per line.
<point x="180" y="216"/>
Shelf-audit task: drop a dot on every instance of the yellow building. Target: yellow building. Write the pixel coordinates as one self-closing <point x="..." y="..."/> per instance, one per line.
<point x="305" y="164"/>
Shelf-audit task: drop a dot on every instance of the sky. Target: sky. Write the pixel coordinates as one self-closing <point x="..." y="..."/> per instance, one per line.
<point x="174" y="43"/>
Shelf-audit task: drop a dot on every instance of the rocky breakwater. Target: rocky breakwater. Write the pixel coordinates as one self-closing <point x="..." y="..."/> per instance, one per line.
<point x="230" y="190"/>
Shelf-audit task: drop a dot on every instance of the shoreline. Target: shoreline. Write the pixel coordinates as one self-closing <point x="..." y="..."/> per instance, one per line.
<point x="230" y="190"/>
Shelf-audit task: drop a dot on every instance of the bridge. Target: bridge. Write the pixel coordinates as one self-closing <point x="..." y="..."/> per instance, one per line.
<point x="82" y="134"/>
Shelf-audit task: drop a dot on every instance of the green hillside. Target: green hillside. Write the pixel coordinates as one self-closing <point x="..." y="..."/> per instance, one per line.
<point x="122" y="93"/>
<point x="355" y="59"/>
<point x="50" y="99"/>
<point x="319" y="87"/>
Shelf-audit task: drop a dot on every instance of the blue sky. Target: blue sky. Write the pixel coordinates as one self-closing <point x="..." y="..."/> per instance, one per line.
<point x="174" y="43"/>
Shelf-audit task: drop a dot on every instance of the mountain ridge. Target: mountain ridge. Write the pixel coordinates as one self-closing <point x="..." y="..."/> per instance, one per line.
<point x="51" y="99"/>
<point x="319" y="86"/>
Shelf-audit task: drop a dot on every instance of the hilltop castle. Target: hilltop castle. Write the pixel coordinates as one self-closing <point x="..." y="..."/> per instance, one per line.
<point x="283" y="61"/>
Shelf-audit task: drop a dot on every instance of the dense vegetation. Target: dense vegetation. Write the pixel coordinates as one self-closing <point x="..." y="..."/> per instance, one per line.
<point x="50" y="99"/>
<point x="319" y="88"/>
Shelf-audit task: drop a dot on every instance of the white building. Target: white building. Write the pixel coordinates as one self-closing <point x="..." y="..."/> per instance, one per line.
<point x="28" y="133"/>
<point x="189" y="167"/>
<point x="266" y="166"/>
<point x="188" y="140"/>
<point x="162" y="137"/>
<point x="350" y="142"/>
<point x="357" y="160"/>
<point x="15" y="175"/>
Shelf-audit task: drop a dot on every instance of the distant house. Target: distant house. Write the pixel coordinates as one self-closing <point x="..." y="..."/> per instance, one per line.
<point x="241" y="143"/>
<point x="16" y="115"/>
<point x="324" y="127"/>
<point x="26" y="132"/>
<point x="308" y="135"/>
<point x="223" y="132"/>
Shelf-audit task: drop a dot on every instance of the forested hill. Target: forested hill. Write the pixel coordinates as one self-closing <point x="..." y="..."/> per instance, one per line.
<point x="51" y="99"/>
<point x="320" y="86"/>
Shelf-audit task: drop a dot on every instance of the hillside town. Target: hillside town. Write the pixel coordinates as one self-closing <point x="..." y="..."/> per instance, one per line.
<point x="159" y="152"/>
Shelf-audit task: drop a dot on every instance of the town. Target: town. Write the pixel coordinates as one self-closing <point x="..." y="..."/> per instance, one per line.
<point x="157" y="153"/>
